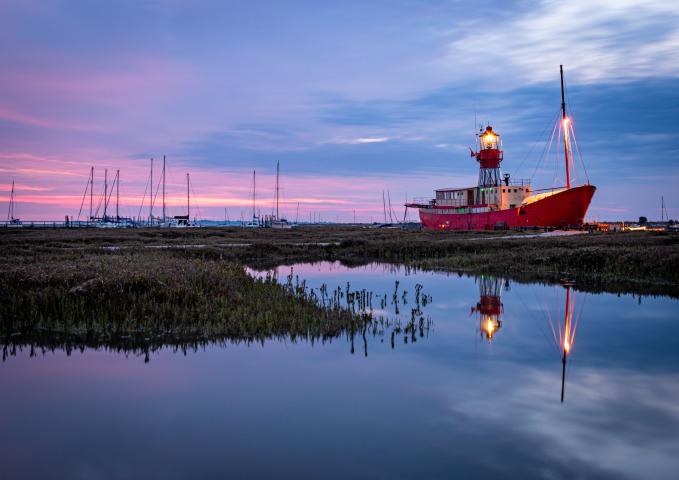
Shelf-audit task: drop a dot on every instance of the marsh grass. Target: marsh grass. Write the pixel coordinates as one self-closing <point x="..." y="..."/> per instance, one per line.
<point x="140" y="301"/>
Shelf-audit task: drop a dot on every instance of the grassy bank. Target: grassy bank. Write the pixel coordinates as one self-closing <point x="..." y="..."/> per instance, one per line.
<point x="137" y="298"/>
<point x="141" y="289"/>
<point x="638" y="262"/>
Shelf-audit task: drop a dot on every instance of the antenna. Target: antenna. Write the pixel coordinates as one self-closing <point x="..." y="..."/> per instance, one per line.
<point x="565" y="130"/>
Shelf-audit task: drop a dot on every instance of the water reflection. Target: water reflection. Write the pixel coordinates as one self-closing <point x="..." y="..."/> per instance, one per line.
<point x="489" y="307"/>
<point x="462" y="397"/>
<point x="490" y="310"/>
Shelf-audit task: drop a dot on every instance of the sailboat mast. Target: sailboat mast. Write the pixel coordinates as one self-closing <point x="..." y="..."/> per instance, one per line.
<point x="278" y="167"/>
<point x="10" y="211"/>
<point x="117" y="194"/>
<point x="188" y="197"/>
<point x="105" y="191"/>
<point x="151" y="197"/>
<point x="565" y="130"/>
<point x="163" y="188"/>
<point x="91" y="190"/>
<point x="384" y="207"/>
<point x="662" y="207"/>
<point x="254" y="194"/>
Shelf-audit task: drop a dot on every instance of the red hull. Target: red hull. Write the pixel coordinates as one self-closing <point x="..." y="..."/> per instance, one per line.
<point x="565" y="208"/>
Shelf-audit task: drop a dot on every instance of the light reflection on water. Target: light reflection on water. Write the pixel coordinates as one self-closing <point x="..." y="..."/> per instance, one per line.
<point x="478" y="394"/>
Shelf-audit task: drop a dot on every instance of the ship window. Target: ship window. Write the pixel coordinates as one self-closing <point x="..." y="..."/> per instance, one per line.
<point x="515" y="190"/>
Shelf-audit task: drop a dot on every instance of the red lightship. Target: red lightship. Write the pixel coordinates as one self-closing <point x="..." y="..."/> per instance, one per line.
<point x="500" y="202"/>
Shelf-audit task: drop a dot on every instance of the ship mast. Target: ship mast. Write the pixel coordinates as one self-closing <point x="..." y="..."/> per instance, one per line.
<point x="565" y="130"/>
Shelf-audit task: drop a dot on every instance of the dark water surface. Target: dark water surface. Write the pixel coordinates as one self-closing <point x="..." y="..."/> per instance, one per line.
<point x="476" y="395"/>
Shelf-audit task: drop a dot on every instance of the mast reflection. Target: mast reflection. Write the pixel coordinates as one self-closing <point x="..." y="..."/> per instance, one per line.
<point x="566" y="336"/>
<point x="490" y="311"/>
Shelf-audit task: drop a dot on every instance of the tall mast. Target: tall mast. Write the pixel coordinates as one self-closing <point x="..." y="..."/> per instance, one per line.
<point x="278" y="167"/>
<point x="391" y="219"/>
<point x="254" y="193"/>
<point x="91" y="190"/>
<point x="662" y="206"/>
<point x="188" y="196"/>
<point x="384" y="207"/>
<point x="117" y="194"/>
<point x="151" y="197"/>
<point x="565" y="130"/>
<point x="10" y="212"/>
<point x="105" y="191"/>
<point x="163" y="188"/>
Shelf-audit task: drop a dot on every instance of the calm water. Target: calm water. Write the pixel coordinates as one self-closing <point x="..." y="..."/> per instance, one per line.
<point x="476" y="395"/>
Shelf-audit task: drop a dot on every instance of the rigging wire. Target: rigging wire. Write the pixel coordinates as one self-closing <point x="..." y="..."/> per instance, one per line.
<point x="536" y="142"/>
<point x="572" y="123"/>
<point x="160" y="181"/>
<point x="146" y="188"/>
<point x="108" y="200"/>
<point x="84" y="195"/>
<point x="200" y="214"/>
<point x="545" y="151"/>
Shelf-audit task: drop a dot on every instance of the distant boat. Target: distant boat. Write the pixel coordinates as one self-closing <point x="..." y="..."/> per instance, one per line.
<point x="274" y="221"/>
<point x="11" y="221"/>
<point x="254" y="223"/>
<point x="184" y="221"/>
<point x="503" y="203"/>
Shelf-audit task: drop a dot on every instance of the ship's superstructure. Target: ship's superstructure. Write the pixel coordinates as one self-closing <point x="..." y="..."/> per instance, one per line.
<point x="498" y="201"/>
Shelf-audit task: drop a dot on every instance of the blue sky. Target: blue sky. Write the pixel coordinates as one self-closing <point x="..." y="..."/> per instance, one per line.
<point x="351" y="97"/>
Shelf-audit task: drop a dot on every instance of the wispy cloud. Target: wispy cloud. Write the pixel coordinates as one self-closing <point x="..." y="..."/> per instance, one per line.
<point x="603" y="41"/>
